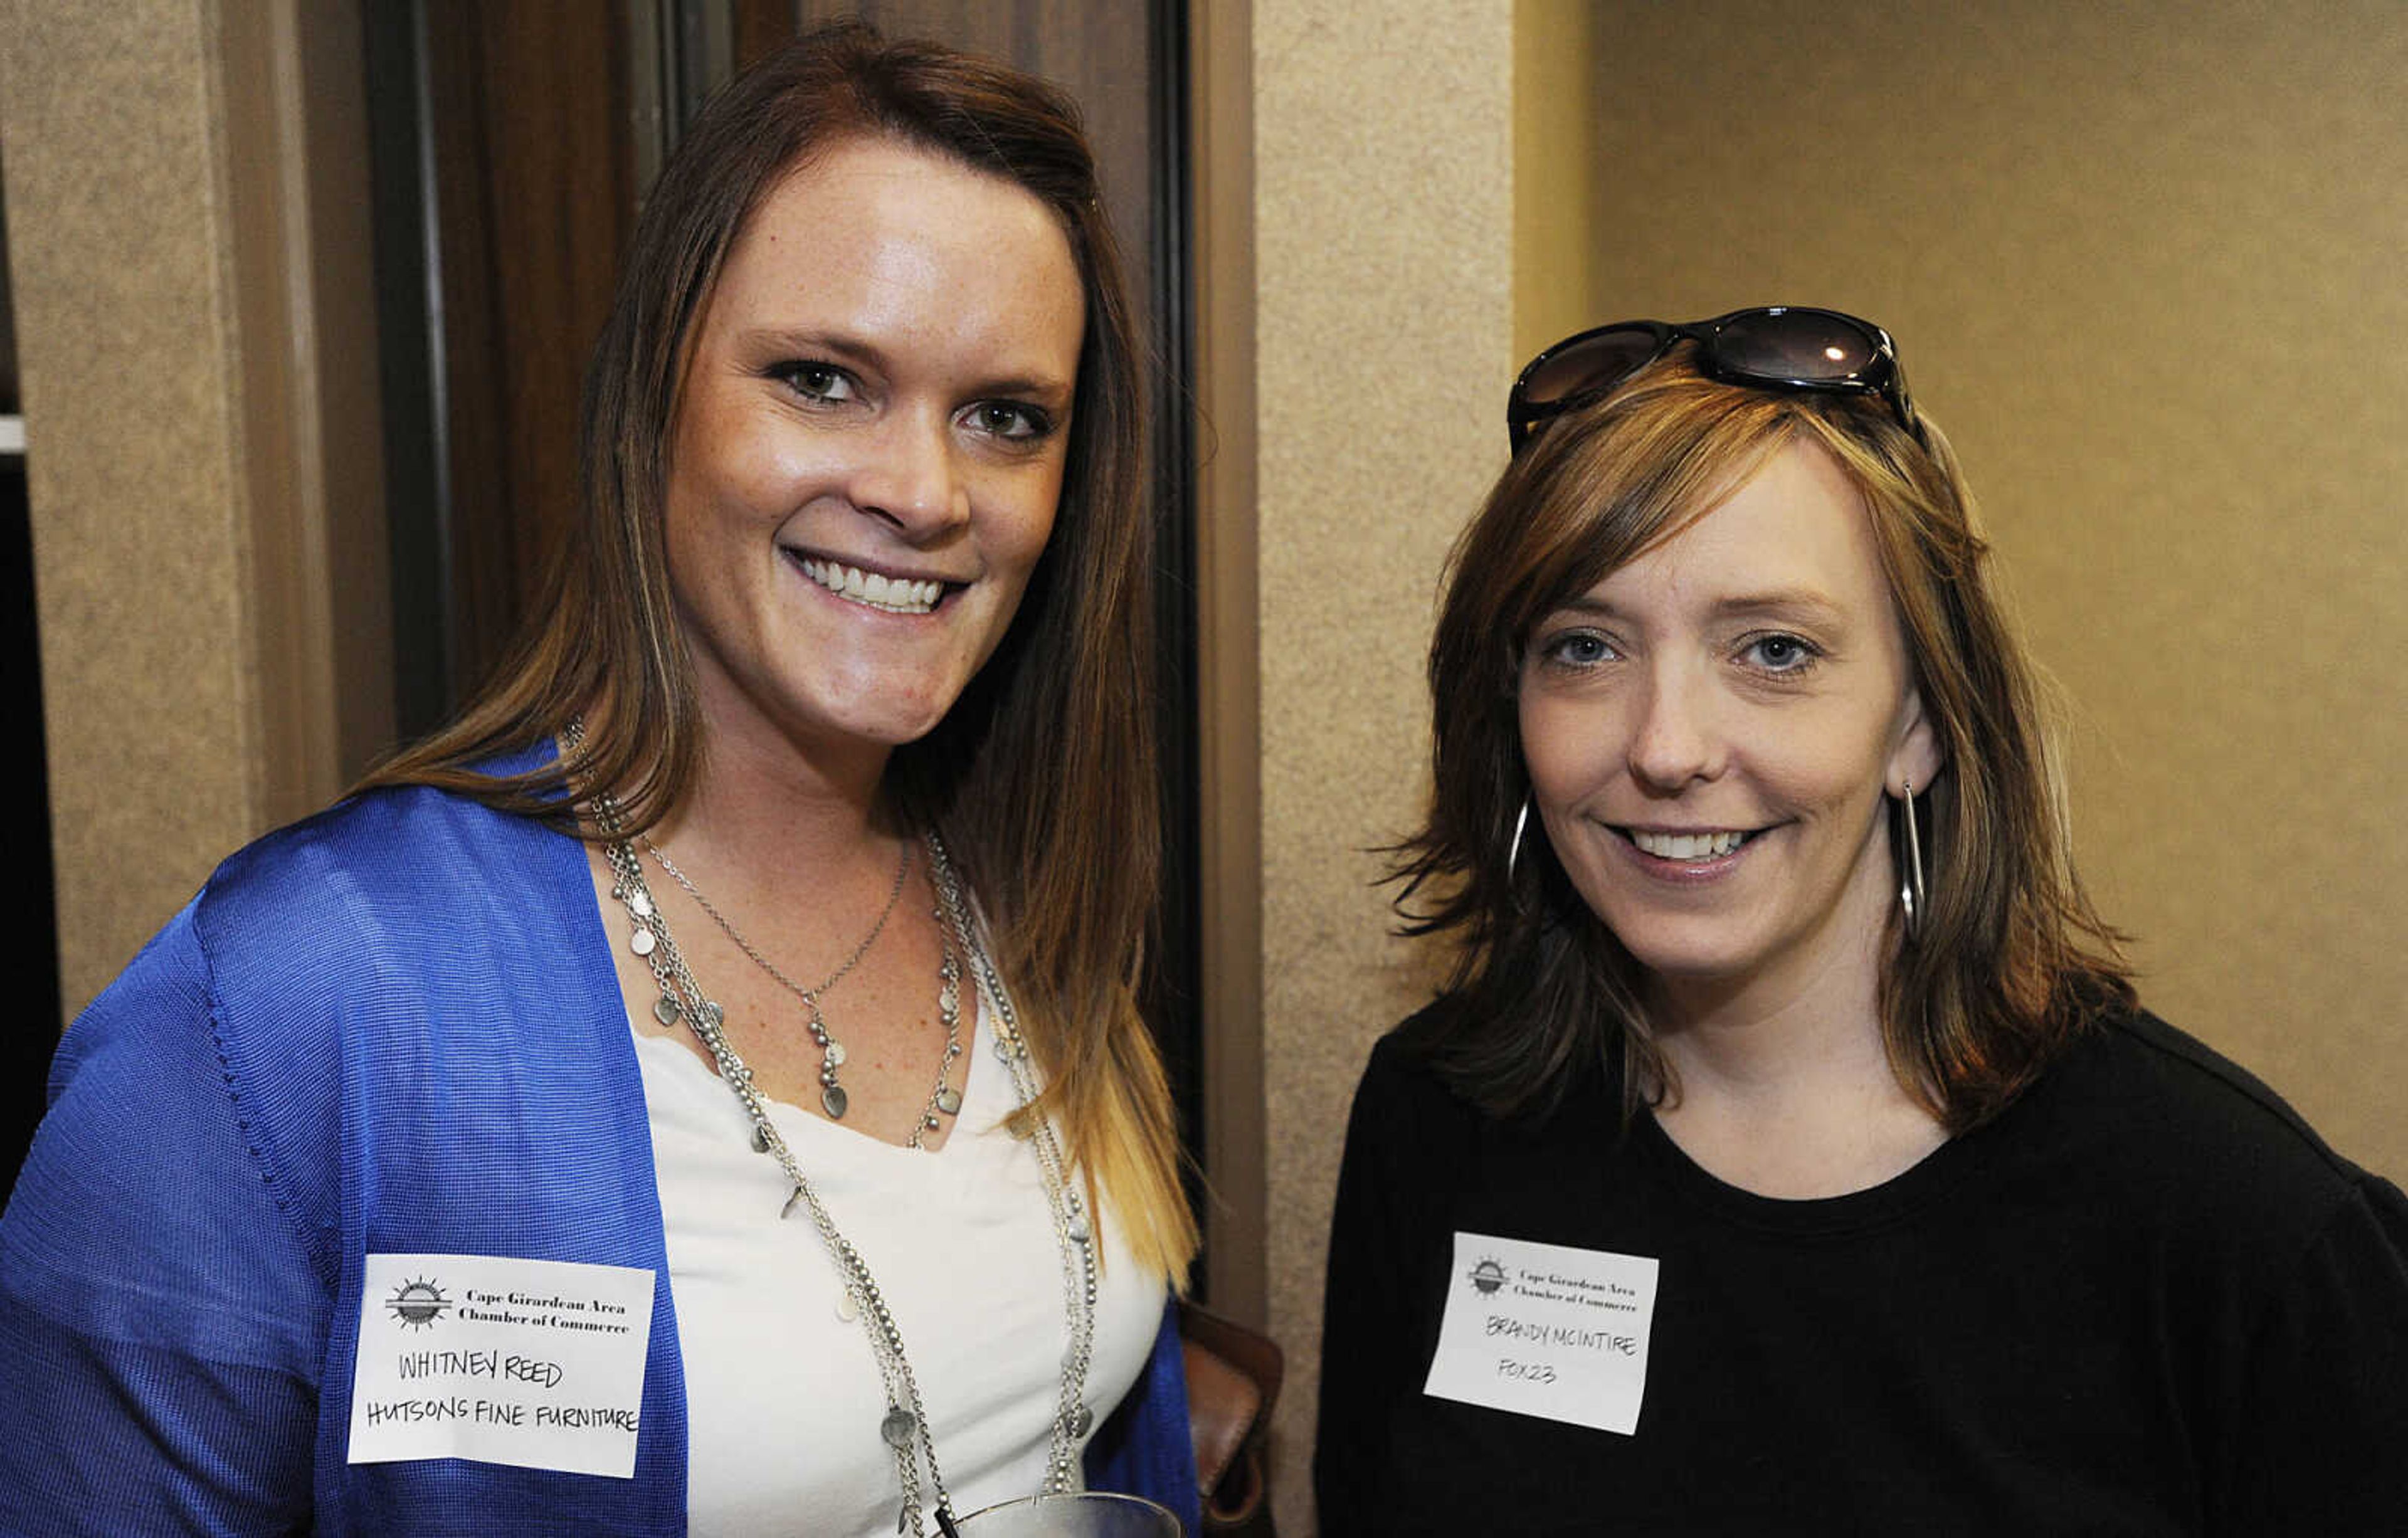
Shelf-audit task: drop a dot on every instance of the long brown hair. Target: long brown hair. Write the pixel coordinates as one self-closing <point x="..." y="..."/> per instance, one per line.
<point x="2009" y="961"/>
<point x="1043" y="776"/>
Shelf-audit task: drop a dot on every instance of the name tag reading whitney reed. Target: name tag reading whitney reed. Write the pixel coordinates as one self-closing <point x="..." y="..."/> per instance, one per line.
<point x="535" y="1363"/>
<point x="1544" y="1330"/>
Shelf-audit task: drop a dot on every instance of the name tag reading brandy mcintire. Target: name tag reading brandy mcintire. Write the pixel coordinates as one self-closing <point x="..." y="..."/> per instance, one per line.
<point x="1544" y="1329"/>
<point x="535" y="1363"/>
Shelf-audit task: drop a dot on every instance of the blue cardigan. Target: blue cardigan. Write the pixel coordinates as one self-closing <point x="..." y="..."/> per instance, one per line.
<point x="391" y="1028"/>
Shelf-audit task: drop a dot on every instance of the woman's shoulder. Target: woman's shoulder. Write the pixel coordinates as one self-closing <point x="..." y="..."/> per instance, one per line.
<point x="1399" y="1086"/>
<point x="2173" y="1085"/>
<point x="398" y="848"/>
<point x="386" y="902"/>
<point x="408" y="932"/>
<point x="1407" y="1059"/>
<point x="2176" y="1126"/>
<point x="1426" y="1073"/>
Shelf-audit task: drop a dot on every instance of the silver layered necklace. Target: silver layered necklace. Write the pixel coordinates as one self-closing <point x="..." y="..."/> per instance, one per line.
<point x="903" y="1427"/>
<point x="945" y="1100"/>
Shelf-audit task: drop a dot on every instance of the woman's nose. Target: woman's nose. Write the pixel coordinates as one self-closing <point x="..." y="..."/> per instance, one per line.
<point x="908" y="476"/>
<point x="1673" y="741"/>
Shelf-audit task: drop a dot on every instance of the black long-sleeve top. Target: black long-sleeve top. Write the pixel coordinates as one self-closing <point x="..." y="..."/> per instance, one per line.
<point x="2145" y="1299"/>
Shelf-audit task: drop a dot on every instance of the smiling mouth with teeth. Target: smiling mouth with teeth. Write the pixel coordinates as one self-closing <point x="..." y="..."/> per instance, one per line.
<point x="1687" y="846"/>
<point x="894" y="594"/>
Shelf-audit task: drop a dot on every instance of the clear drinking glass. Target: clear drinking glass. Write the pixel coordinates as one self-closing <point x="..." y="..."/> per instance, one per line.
<point x="1087" y="1514"/>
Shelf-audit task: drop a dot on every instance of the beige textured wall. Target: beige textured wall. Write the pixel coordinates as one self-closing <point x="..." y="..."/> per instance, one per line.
<point x="195" y="331"/>
<point x="2142" y="261"/>
<point x="119" y="246"/>
<point x="1385" y="313"/>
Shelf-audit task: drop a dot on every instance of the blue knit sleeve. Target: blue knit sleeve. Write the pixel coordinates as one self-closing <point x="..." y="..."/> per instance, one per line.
<point x="160" y="1321"/>
<point x="1146" y="1447"/>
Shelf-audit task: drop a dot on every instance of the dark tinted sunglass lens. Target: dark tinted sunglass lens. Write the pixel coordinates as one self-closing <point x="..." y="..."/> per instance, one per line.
<point x="1795" y="344"/>
<point x="1603" y="358"/>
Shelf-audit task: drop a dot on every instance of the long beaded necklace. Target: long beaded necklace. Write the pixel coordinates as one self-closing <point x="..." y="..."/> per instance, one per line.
<point x="944" y="1101"/>
<point x="904" y="1428"/>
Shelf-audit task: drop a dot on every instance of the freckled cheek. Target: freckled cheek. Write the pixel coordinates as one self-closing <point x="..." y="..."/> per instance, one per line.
<point x="1018" y="515"/>
<point x="740" y="464"/>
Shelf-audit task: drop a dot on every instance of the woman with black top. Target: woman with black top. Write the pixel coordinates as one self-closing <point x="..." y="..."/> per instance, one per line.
<point x="1789" y="1152"/>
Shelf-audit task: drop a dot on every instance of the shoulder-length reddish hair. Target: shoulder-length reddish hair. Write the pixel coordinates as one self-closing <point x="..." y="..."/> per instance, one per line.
<point x="2009" y="961"/>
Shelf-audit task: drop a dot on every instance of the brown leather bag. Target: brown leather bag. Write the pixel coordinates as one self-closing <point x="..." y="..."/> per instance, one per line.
<point x="1233" y="1380"/>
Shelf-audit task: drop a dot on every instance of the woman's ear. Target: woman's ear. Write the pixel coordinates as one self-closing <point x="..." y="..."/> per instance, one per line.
<point x="1918" y="757"/>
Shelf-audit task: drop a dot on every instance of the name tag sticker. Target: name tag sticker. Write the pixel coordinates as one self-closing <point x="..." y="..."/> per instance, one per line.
<point x="1542" y="1330"/>
<point x="535" y="1363"/>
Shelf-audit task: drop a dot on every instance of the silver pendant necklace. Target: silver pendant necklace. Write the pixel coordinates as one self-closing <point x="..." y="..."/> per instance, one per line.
<point x="944" y="1100"/>
<point x="903" y="1427"/>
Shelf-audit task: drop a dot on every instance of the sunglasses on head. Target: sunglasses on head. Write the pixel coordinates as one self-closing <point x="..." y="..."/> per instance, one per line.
<point x="1771" y="347"/>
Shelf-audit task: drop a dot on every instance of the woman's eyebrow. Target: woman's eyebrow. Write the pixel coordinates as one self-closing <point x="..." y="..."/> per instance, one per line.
<point x="1804" y="604"/>
<point x="1585" y="602"/>
<point x="777" y="341"/>
<point x="1030" y="385"/>
<point x="1786" y="602"/>
<point x="835" y="345"/>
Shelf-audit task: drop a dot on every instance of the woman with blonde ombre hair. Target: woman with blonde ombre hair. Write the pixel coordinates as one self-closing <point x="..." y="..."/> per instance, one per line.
<point x="700" y="1090"/>
<point x="1788" y="1151"/>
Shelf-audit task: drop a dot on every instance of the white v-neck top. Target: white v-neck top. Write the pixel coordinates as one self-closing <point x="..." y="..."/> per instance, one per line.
<point x="782" y="1395"/>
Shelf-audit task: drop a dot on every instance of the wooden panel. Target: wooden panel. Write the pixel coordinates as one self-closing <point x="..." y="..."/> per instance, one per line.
<point x="535" y="198"/>
<point x="1227" y="667"/>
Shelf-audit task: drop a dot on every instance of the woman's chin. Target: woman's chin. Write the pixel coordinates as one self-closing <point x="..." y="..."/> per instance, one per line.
<point x="1695" y="968"/>
<point x="1715" y="956"/>
<point x="846" y="711"/>
<point x="880" y="730"/>
<point x="1696" y="945"/>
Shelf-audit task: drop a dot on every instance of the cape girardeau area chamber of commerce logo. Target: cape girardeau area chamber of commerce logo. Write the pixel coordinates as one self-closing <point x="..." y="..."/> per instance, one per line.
<point x="418" y="1304"/>
<point x="1487" y="1276"/>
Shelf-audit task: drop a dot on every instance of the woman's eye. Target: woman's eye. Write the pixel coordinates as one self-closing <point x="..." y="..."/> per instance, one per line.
<point x="818" y="382"/>
<point x="1010" y="420"/>
<point x="1581" y="649"/>
<point x="1781" y="653"/>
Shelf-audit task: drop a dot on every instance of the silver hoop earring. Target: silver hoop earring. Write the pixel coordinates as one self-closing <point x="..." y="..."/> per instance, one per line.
<point x="1910" y="890"/>
<point x="1513" y="851"/>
